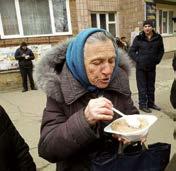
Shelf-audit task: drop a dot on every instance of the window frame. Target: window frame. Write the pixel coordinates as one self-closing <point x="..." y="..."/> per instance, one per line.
<point x="168" y="25"/>
<point x="20" y="26"/>
<point x="107" y="20"/>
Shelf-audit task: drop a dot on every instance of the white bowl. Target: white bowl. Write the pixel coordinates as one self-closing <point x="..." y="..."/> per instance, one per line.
<point x="136" y="134"/>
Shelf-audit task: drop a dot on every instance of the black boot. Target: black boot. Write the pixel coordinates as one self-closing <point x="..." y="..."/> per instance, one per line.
<point x="155" y="107"/>
<point x="145" y="109"/>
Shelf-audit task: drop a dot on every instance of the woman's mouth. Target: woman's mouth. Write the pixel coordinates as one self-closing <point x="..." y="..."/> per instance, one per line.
<point x="105" y="80"/>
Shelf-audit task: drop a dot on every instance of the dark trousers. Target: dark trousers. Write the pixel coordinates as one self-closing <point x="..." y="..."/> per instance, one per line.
<point x="146" y="87"/>
<point x="27" y="72"/>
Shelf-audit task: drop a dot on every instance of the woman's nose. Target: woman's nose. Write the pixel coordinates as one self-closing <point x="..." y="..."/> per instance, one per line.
<point x="107" y="68"/>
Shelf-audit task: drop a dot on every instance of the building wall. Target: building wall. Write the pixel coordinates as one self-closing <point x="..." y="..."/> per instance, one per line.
<point x="83" y="15"/>
<point x="130" y="13"/>
<point x="169" y="40"/>
<point x="85" y="7"/>
<point x="10" y="80"/>
<point x="131" y="16"/>
<point x="169" y="43"/>
<point x="46" y="39"/>
<point x="105" y="6"/>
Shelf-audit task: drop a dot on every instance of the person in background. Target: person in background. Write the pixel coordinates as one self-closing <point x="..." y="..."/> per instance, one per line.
<point x="147" y="51"/>
<point x="119" y="43"/>
<point x="24" y="55"/>
<point x="14" y="152"/>
<point x="125" y="43"/>
<point x="83" y="80"/>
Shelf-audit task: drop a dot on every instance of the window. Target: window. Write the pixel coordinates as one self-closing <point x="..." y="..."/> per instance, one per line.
<point x="20" y="18"/>
<point x="105" y="21"/>
<point x="165" y="22"/>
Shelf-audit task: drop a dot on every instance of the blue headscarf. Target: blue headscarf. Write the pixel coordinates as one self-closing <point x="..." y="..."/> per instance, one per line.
<point x="75" y="58"/>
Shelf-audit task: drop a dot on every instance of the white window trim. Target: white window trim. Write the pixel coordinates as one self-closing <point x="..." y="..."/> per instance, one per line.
<point x="112" y="22"/>
<point x="98" y="19"/>
<point x="21" y="34"/>
<point x="157" y="22"/>
<point x="19" y="20"/>
<point x="52" y="17"/>
<point x="107" y="20"/>
<point x="1" y="28"/>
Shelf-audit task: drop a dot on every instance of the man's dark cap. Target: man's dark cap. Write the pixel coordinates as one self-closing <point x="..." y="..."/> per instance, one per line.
<point x="148" y="22"/>
<point x="23" y="44"/>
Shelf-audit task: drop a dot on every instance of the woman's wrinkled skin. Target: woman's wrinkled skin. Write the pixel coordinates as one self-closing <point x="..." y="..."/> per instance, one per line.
<point x="99" y="65"/>
<point x="99" y="62"/>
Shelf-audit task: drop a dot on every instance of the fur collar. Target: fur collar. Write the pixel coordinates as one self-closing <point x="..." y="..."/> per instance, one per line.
<point x="49" y="78"/>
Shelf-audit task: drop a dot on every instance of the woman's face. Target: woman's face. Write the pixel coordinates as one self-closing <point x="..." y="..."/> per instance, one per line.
<point x="99" y="60"/>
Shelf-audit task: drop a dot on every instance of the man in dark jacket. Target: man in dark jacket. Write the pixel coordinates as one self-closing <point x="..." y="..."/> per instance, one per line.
<point x="14" y="152"/>
<point x="74" y="76"/>
<point x="147" y="51"/>
<point x="24" y="55"/>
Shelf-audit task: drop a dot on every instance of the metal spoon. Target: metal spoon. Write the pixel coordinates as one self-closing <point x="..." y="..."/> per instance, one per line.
<point x="132" y="122"/>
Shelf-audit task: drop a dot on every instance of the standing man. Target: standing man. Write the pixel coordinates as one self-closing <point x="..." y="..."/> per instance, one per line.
<point x="24" y="55"/>
<point x="147" y="51"/>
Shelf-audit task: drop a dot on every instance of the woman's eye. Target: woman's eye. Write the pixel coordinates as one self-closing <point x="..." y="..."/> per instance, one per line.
<point x="96" y="62"/>
<point x="112" y="61"/>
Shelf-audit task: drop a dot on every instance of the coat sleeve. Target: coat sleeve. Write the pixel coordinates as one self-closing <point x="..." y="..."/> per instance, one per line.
<point x="174" y="62"/>
<point x="173" y="94"/>
<point x="160" y="50"/>
<point x="18" y="55"/>
<point x="31" y="55"/>
<point x="133" y="51"/>
<point x="20" y="150"/>
<point x="61" y="136"/>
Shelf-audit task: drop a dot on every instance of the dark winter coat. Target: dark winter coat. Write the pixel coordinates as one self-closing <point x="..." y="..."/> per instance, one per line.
<point x="174" y="62"/>
<point x="24" y="63"/>
<point x="173" y="88"/>
<point x="14" y="152"/>
<point x="147" y="54"/>
<point x="66" y="137"/>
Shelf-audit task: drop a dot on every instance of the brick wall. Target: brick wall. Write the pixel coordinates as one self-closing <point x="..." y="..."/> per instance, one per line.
<point x="83" y="14"/>
<point x="98" y="5"/>
<point x="74" y="17"/>
<point x="85" y="7"/>
<point x="10" y="80"/>
<point x="130" y="13"/>
<point x="45" y="39"/>
<point x="131" y="16"/>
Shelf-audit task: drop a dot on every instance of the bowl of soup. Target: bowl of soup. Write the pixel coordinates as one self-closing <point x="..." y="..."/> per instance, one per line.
<point x="121" y="127"/>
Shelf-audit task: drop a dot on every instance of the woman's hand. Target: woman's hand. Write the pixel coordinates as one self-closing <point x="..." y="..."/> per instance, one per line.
<point x="127" y="141"/>
<point x="99" y="109"/>
<point x="121" y="139"/>
<point x="143" y="139"/>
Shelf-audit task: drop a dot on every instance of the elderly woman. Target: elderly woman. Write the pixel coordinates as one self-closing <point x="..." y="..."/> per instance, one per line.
<point x="83" y="79"/>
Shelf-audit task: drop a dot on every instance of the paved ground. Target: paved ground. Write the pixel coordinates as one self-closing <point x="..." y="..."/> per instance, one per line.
<point x="25" y="110"/>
